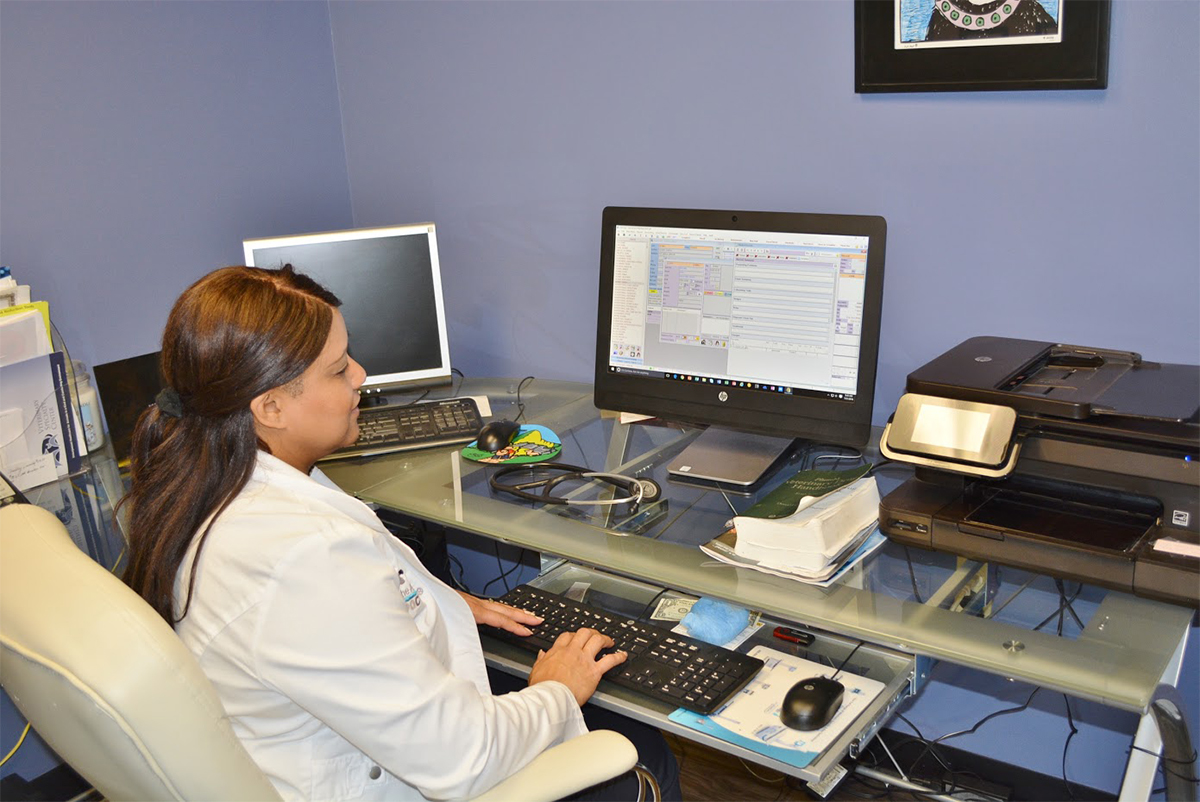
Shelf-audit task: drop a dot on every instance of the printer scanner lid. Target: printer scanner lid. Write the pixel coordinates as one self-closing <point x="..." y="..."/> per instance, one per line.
<point x="1063" y="381"/>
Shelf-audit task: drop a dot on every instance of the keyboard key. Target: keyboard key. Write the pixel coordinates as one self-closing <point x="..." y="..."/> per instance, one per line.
<point x="662" y="664"/>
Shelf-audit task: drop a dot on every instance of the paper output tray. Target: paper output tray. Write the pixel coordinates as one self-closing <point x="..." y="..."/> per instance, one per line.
<point x="895" y="669"/>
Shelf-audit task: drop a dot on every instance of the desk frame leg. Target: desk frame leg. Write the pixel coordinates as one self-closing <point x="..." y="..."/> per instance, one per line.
<point x="1163" y="725"/>
<point x="969" y="578"/>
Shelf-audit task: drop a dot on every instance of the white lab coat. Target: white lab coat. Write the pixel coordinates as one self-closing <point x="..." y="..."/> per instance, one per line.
<point x="338" y="687"/>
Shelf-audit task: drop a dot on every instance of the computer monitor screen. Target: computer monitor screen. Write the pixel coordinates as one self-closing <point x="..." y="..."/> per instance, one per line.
<point x="389" y="282"/>
<point x="760" y="322"/>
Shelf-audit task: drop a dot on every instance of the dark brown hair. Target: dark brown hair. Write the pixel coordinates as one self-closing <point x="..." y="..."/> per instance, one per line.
<point x="233" y="335"/>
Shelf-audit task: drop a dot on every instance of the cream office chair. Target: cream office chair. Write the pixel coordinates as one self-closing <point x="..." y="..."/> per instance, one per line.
<point x="111" y="688"/>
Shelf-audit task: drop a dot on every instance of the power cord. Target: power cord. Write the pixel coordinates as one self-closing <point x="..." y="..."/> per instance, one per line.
<point x="912" y="575"/>
<point x="18" y="496"/>
<point x="20" y="741"/>
<point x="1163" y="760"/>
<point x="857" y="455"/>
<point x="930" y="748"/>
<point x="458" y="581"/>
<point x="847" y="660"/>
<point x="1074" y="731"/>
<point x="520" y="404"/>
<point x="503" y="577"/>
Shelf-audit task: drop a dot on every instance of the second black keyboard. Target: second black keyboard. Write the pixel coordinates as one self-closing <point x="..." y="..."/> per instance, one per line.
<point x="662" y="664"/>
<point x="421" y="425"/>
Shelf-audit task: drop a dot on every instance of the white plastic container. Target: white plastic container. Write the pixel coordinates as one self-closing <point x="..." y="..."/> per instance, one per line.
<point x="89" y="406"/>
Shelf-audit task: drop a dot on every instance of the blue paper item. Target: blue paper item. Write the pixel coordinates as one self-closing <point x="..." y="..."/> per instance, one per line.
<point x="715" y="621"/>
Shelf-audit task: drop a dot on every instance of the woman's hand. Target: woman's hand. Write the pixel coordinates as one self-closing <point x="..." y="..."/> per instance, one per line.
<point x="572" y="661"/>
<point x="499" y="615"/>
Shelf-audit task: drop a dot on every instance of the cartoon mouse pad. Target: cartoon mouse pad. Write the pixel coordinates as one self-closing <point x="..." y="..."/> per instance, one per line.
<point x="531" y="444"/>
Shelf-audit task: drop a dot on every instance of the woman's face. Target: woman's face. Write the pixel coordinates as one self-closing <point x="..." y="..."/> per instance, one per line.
<point x="323" y="416"/>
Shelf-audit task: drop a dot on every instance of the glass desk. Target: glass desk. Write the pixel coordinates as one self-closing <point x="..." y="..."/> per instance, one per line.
<point x="1125" y="651"/>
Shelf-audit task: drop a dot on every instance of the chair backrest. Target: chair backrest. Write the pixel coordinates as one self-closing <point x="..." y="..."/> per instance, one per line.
<point x="104" y="680"/>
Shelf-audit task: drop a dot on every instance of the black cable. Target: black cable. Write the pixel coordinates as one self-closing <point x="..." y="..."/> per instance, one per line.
<point x="646" y="609"/>
<point x="912" y="575"/>
<point x="913" y="726"/>
<point x="879" y="465"/>
<point x="932" y="750"/>
<point x="18" y="496"/>
<point x="847" y="660"/>
<point x="841" y="457"/>
<point x="504" y="574"/>
<point x="1161" y="756"/>
<point x="1070" y="735"/>
<point x="989" y="717"/>
<point x="940" y="785"/>
<point x="930" y="745"/>
<point x="1163" y="760"/>
<point x="1062" y="601"/>
<point x="882" y="790"/>
<point x="460" y="583"/>
<point x="520" y="405"/>
<point x="1064" y="604"/>
<point x="416" y="400"/>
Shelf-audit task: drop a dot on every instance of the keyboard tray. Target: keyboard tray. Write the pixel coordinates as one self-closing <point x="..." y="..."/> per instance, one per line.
<point x="903" y="674"/>
<point x="662" y="664"/>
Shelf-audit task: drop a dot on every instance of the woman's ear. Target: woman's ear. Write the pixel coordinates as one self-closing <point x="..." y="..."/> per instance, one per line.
<point x="267" y="410"/>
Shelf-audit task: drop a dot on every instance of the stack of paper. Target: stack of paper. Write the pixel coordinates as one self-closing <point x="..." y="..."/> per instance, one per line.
<point x="813" y="527"/>
<point x="811" y="538"/>
<point x="39" y="440"/>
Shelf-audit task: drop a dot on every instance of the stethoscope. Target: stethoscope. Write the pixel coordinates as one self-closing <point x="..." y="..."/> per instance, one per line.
<point x="549" y="475"/>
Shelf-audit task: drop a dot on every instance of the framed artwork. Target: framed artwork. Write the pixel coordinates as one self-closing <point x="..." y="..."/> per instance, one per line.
<point x="978" y="45"/>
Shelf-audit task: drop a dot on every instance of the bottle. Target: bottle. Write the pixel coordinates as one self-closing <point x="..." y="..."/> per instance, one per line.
<point x="89" y="407"/>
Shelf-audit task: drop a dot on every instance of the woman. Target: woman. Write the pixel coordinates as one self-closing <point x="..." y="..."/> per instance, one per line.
<point x="346" y="668"/>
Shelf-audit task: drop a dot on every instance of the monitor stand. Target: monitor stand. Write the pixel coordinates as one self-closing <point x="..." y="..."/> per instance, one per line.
<point x="727" y="457"/>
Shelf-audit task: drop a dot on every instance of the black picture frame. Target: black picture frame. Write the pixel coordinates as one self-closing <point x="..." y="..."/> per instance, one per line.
<point x="1078" y="61"/>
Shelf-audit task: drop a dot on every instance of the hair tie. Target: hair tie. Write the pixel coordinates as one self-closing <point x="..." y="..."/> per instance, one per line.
<point x="168" y="403"/>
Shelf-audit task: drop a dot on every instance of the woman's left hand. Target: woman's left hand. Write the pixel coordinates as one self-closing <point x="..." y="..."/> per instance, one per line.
<point x="501" y="616"/>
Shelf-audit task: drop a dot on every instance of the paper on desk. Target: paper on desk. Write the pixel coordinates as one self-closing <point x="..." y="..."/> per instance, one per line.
<point x="751" y="718"/>
<point x="721" y="549"/>
<point x="481" y="401"/>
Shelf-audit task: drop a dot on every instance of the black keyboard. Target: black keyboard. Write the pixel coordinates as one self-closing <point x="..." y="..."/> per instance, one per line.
<point x="662" y="664"/>
<point x="422" y="425"/>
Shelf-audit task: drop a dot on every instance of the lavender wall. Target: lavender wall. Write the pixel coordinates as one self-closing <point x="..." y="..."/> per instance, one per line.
<point x="140" y="142"/>
<point x="1065" y="216"/>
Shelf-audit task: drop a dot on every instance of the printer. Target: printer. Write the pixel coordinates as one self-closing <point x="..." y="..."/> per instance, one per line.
<point x="1079" y="463"/>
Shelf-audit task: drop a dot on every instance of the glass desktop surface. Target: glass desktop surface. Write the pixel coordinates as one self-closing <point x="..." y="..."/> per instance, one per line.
<point x="84" y="502"/>
<point x="1105" y="645"/>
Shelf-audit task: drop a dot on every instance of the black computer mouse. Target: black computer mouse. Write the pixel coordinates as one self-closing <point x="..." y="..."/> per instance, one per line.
<point x="811" y="703"/>
<point x="496" y="435"/>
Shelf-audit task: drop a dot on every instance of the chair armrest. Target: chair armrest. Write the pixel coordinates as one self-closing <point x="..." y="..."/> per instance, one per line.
<point x="567" y="768"/>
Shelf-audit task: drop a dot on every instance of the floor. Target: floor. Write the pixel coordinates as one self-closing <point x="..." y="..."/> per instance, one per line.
<point x="708" y="776"/>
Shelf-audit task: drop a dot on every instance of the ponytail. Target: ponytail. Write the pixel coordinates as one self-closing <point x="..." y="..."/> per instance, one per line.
<point x="230" y="337"/>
